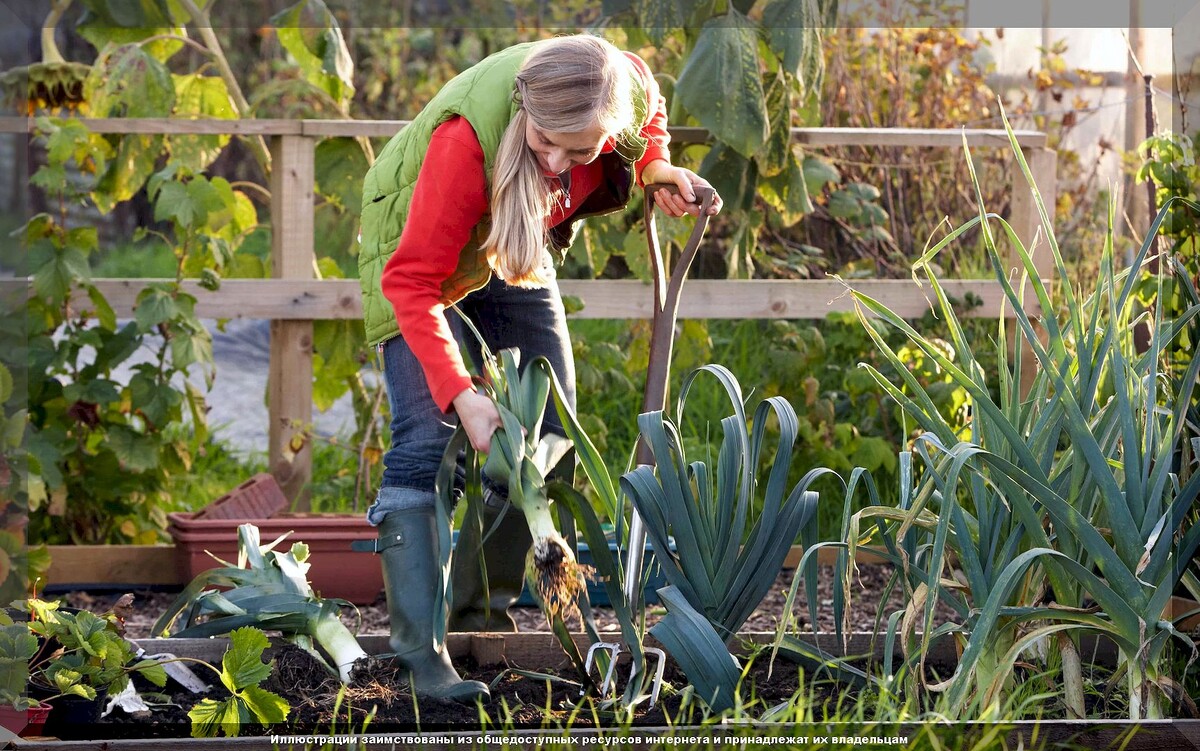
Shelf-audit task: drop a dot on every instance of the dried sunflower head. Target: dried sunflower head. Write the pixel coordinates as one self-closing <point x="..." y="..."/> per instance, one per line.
<point x="44" y="87"/>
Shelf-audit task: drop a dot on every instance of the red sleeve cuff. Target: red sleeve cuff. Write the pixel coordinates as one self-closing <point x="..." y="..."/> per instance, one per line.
<point x="445" y="391"/>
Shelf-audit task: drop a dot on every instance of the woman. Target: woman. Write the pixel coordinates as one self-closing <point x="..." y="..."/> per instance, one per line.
<point x="472" y="204"/>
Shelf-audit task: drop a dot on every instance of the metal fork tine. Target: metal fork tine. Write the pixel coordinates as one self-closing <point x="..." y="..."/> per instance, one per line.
<point x="615" y="649"/>
<point x="656" y="686"/>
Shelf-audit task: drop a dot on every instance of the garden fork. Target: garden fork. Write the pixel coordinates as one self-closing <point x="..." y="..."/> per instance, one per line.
<point x="658" y="370"/>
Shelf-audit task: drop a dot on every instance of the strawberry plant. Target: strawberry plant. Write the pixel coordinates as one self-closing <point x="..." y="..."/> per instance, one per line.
<point x="242" y="670"/>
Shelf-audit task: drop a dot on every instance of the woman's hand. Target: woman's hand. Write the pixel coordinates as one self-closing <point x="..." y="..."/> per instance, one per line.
<point x="662" y="171"/>
<point x="479" y="417"/>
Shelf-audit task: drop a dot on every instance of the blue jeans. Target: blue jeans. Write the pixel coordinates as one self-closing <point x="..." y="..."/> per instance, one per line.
<point x="532" y="320"/>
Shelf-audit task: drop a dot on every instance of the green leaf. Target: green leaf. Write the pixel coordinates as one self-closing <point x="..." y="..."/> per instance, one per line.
<point x="85" y="239"/>
<point x="104" y="312"/>
<point x="156" y="401"/>
<point x="151" y="670"/>
<point x="94" y="390"/>
<point x="129" y="82"/>
<point x="311" y="35"/>
<point x="844" y="205"/>
<point x="637" y="253"/>
<point x="341" y="343"/>
<point x="340" y="165"/>
<point x="199" y="96"/>
<point x="328" y="386"/>
<point x="116" y="347"/>
<point x="268" y="707"/>
<point x="191" y="343"/>
<point x="615" y="7"/>
<point x="207" y="198"/>
<point x="787" y="193"/>
<point x="154" y="305"/>
<point x="776" y="154"/>
<point x="818" y="173"/>
<point x="64" y="268"/>
<point x="174" y="204"/>
<point x="720" y="84"/>
<point x="71" y="139"/>
<point x="135" y="160"/>
<point x="231" y="216"/>
<point x="874" y="454"/>
<point x="789" y="25"/>
<point x="658" y="17"/>
<point x="701" y="654"/>
<point x="863" y="191"/>
<point x="102" y="34"/>
<point x="242" y="665"/>
<point x="732" y="175"/>
<point x="210" y="718"/>
<point x="127" y="14"/>
<point x="136" y="452"/>
<point x="328" y="268"/>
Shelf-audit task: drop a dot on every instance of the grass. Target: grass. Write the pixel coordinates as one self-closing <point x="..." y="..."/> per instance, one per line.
<point x="152" y="259"/>
<point x="144" y="260"/>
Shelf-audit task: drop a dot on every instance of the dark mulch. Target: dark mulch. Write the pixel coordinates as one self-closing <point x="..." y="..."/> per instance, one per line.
<point x="378" y="699"/>
<point x="867" y="591"/>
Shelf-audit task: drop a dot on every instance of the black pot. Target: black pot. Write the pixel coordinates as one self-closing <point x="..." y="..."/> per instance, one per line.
<point x="72" y="717"/>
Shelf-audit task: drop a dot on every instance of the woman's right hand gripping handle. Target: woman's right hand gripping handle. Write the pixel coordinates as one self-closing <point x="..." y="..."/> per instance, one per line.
<point x="478" y="416"/>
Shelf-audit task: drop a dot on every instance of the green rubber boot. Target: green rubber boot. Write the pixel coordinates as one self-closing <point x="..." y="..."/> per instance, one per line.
<point x="408" y="548"/>
<point x="476" y="604"/>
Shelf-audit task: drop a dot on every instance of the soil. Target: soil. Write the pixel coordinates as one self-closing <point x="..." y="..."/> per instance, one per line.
<point x="867" y="591"/>
<point x="378" y="699"/>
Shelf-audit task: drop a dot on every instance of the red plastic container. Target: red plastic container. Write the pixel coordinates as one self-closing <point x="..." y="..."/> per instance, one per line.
<point x="24" y="722"/>
<point x="260" y="497"/>
<point x="335" y="571"/>
<point x="37" y="720"/>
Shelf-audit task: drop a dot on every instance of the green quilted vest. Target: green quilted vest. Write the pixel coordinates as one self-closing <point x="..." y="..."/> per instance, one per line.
<point x="481" y="94"/>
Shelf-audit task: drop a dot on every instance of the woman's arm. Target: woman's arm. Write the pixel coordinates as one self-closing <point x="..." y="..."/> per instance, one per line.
<point x="655" y="165"/>
<point x="449" y="200"/>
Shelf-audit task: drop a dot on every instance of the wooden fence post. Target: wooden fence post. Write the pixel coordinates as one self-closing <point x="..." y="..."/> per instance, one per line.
<point x="289" y="400"/>
<point x="1027" y="223"/>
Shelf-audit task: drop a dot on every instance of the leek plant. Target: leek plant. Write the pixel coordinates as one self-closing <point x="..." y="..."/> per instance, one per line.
<point x="724" y="561"/>
<point x="267" y="589"/>
<point x="520" y="458"/>
<point x="1064" y="510"/>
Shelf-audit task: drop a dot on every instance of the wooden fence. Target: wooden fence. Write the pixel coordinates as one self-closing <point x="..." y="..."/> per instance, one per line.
<point x="293" y="299"/>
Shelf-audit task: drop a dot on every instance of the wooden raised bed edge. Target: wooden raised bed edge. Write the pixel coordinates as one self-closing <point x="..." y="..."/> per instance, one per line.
<point x="155" y="565"/>
<point x="134" y="565"/>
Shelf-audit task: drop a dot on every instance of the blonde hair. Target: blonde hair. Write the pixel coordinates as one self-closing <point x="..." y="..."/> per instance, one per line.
<point x="566" y="85"/>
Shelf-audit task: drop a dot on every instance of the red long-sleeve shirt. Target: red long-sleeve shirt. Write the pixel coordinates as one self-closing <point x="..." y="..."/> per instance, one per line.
<point x="451" y="197"/>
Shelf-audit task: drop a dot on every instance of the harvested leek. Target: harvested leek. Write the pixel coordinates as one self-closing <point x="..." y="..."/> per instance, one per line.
<point x="269" y="590"/>
<point x="520" y="458"/>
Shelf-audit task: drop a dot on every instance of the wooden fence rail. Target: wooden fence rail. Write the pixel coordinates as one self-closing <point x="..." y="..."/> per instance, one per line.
<point x="292" y="300"/>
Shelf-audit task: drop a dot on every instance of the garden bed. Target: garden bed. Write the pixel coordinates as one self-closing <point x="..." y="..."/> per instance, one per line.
<point x="524" y="706"/>
<point x="867" y="591"/>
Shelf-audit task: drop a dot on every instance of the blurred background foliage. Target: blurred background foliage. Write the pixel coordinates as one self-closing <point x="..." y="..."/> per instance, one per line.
<point x="791" y="213"/>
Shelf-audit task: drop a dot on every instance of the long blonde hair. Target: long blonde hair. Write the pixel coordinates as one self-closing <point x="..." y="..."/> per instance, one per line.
<point x="566" y="85"/>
